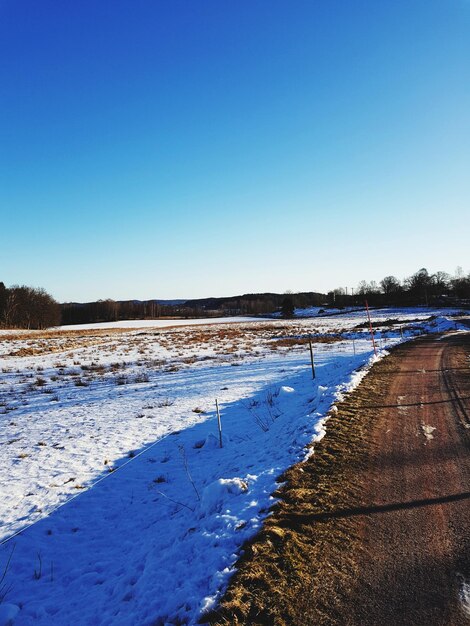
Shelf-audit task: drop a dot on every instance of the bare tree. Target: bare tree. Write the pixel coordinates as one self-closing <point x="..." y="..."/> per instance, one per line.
<point x="390" y="285"/>
<point x="28" y="307"/>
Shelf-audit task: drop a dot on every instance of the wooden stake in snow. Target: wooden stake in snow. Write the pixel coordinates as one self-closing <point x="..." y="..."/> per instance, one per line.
<point x="219" y="423"/>
<point x="370" y="327"/>
<point x="311" y="358"/>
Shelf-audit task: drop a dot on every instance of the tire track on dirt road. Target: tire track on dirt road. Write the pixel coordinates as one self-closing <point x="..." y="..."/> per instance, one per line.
<point x="375" y="527"/>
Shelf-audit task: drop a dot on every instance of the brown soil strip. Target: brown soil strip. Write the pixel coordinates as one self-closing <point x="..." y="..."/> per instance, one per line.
<point x="375" y="527"/>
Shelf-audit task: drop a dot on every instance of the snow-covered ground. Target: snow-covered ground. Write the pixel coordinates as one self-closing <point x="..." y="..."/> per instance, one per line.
<point x="161" y="323"/>
<point x="118" y="505"/>
<point x="421" y="312"/>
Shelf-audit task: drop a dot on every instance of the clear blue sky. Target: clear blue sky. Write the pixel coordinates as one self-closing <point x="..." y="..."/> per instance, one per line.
<point x="171" y="149"/>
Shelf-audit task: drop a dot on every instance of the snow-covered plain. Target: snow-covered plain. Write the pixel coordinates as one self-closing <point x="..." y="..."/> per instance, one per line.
<point x="118" y="505"/>
<point x="160" y="323"/>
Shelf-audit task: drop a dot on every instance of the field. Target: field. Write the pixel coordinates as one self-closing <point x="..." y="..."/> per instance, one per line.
<point x="115" y="487"/>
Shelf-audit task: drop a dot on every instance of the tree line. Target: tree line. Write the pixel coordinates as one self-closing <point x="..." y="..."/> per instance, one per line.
<point x="33" y="308"/>
<point x="116" y="310"/>
<point x="421" y="288"/>
<point x="27" y="307"/>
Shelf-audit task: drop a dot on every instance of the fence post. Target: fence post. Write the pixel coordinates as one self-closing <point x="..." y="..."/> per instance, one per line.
<point x="311" y="358"/>
<point x="370" y="327"/>
<point x="219" y="423"/>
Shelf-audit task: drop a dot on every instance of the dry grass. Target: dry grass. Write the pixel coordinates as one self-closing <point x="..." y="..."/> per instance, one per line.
<point x="34" y="335"/>
<point x="290" y="342"/>
<point x="298" y="570"/>
<point x="217" y="340"/>
<point x="51" y="341"/>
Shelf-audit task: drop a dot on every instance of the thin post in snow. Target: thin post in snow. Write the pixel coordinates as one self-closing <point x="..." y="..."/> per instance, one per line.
<point x="311" y="358"/>
<point x="370" y="327"/>
<point x="219" y="423"/>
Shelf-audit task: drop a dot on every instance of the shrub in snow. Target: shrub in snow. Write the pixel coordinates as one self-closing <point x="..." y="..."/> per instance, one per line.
<point x="211" y="441"/>
<point x="216" y="495"/>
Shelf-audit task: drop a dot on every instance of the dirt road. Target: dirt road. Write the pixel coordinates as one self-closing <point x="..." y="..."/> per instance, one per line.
<point x="375" y="530"/>
<point x="415" y="559"/>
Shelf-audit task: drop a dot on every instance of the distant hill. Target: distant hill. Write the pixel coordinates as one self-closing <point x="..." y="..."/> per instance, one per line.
<point x="254" y="303"/>
<point x="171" y="302"/>
<point x="246" y="304"/>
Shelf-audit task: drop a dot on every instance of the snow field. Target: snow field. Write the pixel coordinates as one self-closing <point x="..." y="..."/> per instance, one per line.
<point x="154" y="541"/>
<point x="160" y="323"/>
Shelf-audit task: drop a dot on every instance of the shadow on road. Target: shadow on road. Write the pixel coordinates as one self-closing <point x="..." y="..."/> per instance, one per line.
<point x="372" y="510"/>
<point x="405" y="404"/>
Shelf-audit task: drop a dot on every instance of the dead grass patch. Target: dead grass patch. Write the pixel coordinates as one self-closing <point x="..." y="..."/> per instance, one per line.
<point x="290" y="342"/>
<point x="51" y="341"/>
